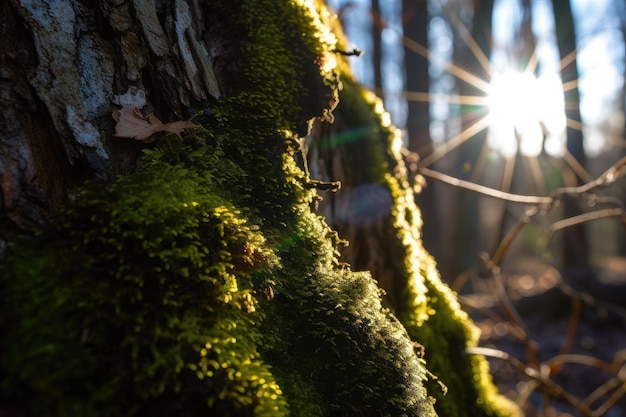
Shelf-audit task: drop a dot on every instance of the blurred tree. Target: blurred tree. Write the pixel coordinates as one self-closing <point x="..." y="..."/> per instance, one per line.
<point x="377" y="47"/>
<point x="465" y="227"/>
<point x="524" y="59"/>
<point x="620" y="7"/>
<point x="575" y="243"/>
<point x="415" y="25"/>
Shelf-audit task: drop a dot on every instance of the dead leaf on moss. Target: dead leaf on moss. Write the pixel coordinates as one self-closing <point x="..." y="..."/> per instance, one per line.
<point x="132" y="124"/>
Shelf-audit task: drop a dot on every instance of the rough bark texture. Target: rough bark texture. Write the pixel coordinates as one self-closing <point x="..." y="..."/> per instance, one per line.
<point x="65" y="65"/>
<point x="190" y="276"/>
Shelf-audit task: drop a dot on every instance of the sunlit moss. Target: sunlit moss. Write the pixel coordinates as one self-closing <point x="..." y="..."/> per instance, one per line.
<point x="202" y="284"/>
<point x="426" y="307"/>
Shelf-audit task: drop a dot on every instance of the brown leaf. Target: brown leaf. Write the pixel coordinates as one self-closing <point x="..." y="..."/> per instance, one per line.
<point x="132" y="124"/>
<point x="178" y="127"/>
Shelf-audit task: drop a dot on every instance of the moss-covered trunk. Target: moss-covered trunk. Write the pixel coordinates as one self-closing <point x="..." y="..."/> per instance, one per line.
<point x="190" y="276"/>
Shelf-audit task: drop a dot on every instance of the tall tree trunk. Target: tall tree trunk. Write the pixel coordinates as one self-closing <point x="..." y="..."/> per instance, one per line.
<point x="465" y="241"/>
<point x="575" y="243"/>
<point x="524" y="60"/>
<point x="415" y="25"/>
<point x="377" y="47"/>
<point x="620" y="6"/>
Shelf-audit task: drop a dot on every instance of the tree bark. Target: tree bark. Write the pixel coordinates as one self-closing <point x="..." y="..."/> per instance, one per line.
<point x="65" y="66"/>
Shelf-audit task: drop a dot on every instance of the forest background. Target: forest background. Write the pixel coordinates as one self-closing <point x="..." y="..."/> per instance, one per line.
<point x="501" y="102"/>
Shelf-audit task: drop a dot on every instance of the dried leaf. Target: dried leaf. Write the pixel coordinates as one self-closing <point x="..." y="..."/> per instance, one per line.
<point x="178" y="127"/>
<point x="132" y="124"/>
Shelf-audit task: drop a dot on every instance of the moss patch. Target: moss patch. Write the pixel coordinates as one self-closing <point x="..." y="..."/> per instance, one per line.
<point x="427" y="308"/>
<point x="203" y="283"/>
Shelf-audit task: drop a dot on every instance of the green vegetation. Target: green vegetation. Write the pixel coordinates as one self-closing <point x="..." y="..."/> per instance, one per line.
<point x="426" y="307"/>
<point x="203" y="284"/>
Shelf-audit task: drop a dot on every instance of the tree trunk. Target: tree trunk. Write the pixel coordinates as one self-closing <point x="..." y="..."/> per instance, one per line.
<point x="575" y="243"/>
<point x="416" y="20"/>
<point x="465" y="242"/>
<point x="377" y="47"/>
<point x="66" y="65"/>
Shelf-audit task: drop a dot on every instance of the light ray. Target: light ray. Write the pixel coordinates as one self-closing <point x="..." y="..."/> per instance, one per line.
<point x="483" y="158"/>
<point x="473" y="129"/>
<point x="452" y="68"/>
<point x="575" y="166"/>
<point x="537" y="175"/>
<point x="568" y="59"/>
<point x="469" y="40"/>
<point x="507" y="175"/>
<point x="449" y="98"/>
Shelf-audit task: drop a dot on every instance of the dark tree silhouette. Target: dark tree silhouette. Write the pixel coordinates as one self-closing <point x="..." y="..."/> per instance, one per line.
<point x="415" y="19"/>
<point x="465" y="239"/>
<point x="377" y="47"/>
<point x="575" y="244"/>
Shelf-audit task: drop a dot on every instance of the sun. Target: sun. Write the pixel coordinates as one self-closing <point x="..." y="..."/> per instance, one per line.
<point x="525" y="113"/>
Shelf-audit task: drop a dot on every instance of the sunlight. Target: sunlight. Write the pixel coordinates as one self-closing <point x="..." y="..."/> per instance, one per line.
<point x="523" y="110"/>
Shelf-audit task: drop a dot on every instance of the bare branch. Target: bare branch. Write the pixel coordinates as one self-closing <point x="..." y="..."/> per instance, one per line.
<point x="582" y="218"/>
<point x="554" y="388"/>
<point x="481" y="189"/>
<point x="609" y="177"/>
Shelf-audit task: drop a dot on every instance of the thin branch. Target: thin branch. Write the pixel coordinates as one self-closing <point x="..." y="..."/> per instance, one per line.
<point x="582" y="218"/>
<point x="532" y="349"/>
<point x="602" y="390"/>
<point x="481" y="189"/>
<point x="572" y="328"/>
<point x="553" y="387"/>
<point x="604" y="408"/>
<point x="511" y="235"/>
<point x="613" y="383"/>
<point x="560" y="360"/>
<point x="607" y="178"/>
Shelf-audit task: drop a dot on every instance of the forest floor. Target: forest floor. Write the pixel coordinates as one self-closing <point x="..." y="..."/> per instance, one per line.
<point x="575" y="349"/>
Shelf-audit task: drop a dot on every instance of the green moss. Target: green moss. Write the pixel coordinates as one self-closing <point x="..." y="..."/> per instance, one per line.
<point x="138" y="289"/>
<point x="432" y="315"/>
<point x="203" y="283"/>
<point x="426" y="307"/>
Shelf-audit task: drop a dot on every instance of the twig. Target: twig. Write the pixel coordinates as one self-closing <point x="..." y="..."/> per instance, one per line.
<point x="547" y="383"/>
<point x="511" y="235"/>
<point x="602" y="390"/>
<point x="491" y="192"/>
<point x="581" y="360"/>
<point x="604" y="408"/>
<point x="582" y="218"/>
<point x="609" y="177"/>
<point x="572" y="327"/>
<point x="531" y="346"/>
